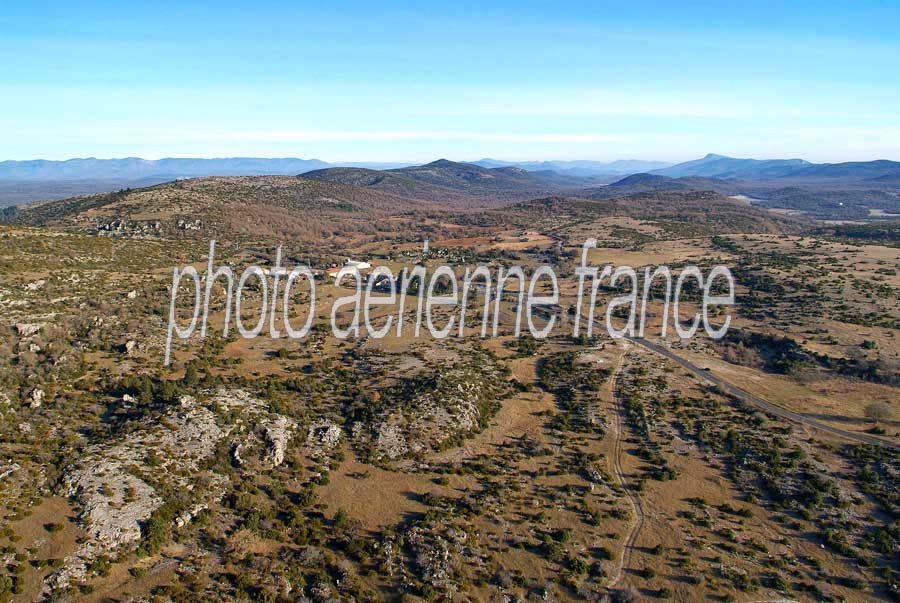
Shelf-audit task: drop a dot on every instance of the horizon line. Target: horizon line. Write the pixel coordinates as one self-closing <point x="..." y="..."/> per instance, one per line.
<point x="423" y="161"/>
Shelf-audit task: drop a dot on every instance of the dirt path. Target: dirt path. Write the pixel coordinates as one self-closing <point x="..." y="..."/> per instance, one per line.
<point x="618" y="428"/>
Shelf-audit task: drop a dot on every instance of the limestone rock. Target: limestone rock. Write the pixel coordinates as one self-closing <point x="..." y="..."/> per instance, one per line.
<point x="278" y="434"/>
<point x="390" y="442"/>
<point x="115" y="501"/>
<point x="7" y="470"/>
<point x="27" y="329"/>
<point x="323" y="437"/>
<point x="36" y="397"/>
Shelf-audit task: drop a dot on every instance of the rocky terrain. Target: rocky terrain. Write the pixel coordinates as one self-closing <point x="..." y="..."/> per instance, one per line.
<point x="465" y="469"/>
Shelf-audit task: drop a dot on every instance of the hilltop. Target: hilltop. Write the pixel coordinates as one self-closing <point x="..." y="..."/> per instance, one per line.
<point x="449" y="181"/>
<point x="386" y="182"/>
<point x="284" y="206"/>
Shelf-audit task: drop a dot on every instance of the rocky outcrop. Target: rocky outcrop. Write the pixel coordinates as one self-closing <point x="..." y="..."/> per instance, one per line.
<point x="445" y="406"/>
<point x="390" y="442"/>
<point x="262" y="435"/>
<point x="277" y="435"/>
<point x="116" y="486"/>
<point x="7" y="470"/>
<point x="322" y="438"/>
<point x="112" y="493"/>
<point x="440" y="555"/>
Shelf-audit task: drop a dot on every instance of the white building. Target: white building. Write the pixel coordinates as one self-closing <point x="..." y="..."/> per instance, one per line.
<point x="358" y="265"/>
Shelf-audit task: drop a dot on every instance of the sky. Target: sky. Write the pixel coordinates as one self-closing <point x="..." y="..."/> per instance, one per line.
<point x="515" y="80"/>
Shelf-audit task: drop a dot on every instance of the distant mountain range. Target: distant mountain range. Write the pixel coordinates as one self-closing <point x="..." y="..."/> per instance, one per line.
<point x="24" y="181"/>
<point x="172" y="168"/>
<point x="169" y="168"/>
<point x="881" y="170"/>
<point x="838" y="191"/>
<point x="719" y="166"/>
<point x="826" y="191"/>
<point x="580" y="167"/>
<point x="711" y="166"/>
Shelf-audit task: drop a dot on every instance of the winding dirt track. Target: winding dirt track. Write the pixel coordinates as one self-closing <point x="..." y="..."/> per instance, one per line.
<point x="619" y="434"/>
<point x="759" y="403"/>
<point x="635" y="502"/>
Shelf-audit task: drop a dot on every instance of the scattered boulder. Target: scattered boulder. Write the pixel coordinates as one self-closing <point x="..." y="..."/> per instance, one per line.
<point x="36" y="397"/>
<point x="236" y="452"/>
<point x="186" y="517"/>
<point x="27" y="329"/>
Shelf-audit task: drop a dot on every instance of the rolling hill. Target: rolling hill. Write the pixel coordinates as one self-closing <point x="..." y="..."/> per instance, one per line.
<point x="642" y="183"/>
<point x="479" y="181"/>
<point x="821" y="198"/>
<point x="688" y="212"/>
<point x="34" y="180"/>
<point x="449" y="181"/>
<point x="236" y="206"/>
<point x="388" y="182"/>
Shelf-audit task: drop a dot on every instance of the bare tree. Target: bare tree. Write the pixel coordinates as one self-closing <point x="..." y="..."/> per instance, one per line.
<point x="878" y="411"/>
<point x="628" y="595"/>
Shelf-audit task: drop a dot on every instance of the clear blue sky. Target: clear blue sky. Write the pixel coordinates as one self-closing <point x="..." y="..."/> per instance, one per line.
<point x="514" y="80"/>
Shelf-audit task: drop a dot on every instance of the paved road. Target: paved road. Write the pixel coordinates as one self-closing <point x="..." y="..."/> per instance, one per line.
<point x="759" y="402"/>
